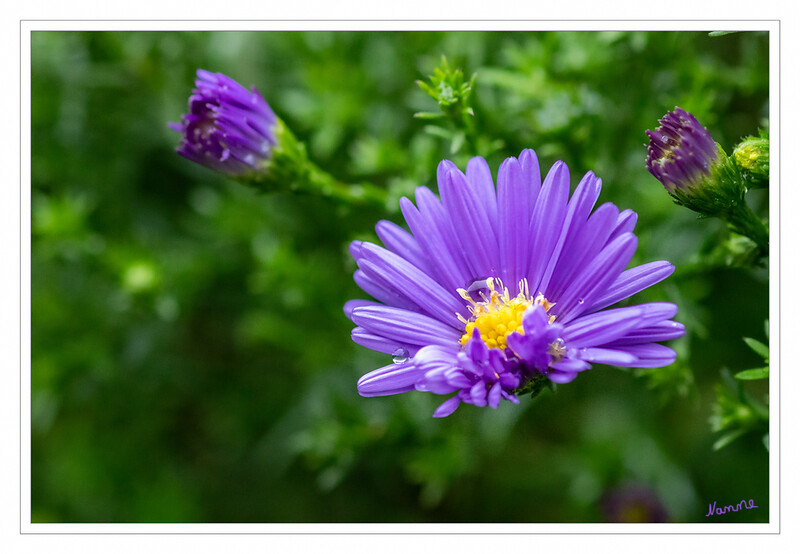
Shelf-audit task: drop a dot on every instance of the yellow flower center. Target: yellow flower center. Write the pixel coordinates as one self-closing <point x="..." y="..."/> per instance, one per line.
<point x="496" y="314"/>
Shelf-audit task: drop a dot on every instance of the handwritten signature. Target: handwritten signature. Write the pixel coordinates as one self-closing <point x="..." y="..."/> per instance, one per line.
<point x="714" y="510"/>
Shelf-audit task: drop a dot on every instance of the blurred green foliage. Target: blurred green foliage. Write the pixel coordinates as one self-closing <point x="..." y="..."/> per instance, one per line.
<point x="190" y="358"/>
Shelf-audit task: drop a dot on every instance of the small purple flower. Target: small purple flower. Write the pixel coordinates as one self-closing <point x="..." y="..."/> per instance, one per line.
<point x="495" y="288"/>
<point x="633" y="503"/>
<point x="681" y="151"/>
<point x="228" y="128"/>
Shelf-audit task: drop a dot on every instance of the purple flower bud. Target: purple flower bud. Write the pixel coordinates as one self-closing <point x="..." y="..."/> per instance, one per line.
<point x="228" y="128"/>
<point x="681" y="151"/>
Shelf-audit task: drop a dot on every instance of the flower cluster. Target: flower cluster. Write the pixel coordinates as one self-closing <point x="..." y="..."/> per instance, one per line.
<point x="496" y="288"/>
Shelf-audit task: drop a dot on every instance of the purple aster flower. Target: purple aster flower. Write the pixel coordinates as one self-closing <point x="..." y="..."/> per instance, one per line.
<point x="228" y="128"/>
<point x="494" y="289"/>
<point x="681" y="151"/>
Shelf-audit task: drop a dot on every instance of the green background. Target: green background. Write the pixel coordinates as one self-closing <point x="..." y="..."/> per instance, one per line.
<point x="190" y="358"/>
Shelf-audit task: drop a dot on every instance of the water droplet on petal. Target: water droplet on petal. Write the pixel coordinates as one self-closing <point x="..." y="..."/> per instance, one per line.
<point x="400" y="356"/>
<point x="479" y="290"/>
<point x="557" y="350"/>
<point x="581" y="300"/>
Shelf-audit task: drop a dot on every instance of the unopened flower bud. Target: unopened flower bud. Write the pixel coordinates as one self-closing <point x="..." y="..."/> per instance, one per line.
<point x="752" y="156"/>
<point x="228" y="128"/>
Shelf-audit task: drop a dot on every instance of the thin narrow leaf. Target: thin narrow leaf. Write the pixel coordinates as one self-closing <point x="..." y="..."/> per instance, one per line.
<point x="758" y="347"/>
<point x="458" y="142"/>
<point x="429" y="115"/>
<point x="728" y="438"/>
<point x="752" y="374"/>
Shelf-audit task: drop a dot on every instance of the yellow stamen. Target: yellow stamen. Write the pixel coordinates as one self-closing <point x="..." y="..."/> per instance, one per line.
<point x="499" y="315"/>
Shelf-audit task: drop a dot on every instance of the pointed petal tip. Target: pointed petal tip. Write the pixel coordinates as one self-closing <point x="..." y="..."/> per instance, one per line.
<point x="355" y="249"/>
<point x="447" y="407"/>
<point x="561" y="377"/>
<point x="388" y="380"/>
<point x="477" y="163"/>
<point x="508" y="164"/>
<point x="351" y="305"/>
<point x="443" y="171"/>
<point x="527" y="153"/>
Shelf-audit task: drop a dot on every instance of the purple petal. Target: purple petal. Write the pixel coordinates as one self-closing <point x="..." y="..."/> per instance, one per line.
<point x="404" y="326"/>
<point x="584" y="244"/>
<point x="547" y="220"/>
<point x="350" y="305"/>
<point x="514" y="214"/>
<point x="625" y="224"/>
<point x="570" y="365"/>
<point x="479" y="177"/>
<point x="531" y="175"/>
<point x="434" y="234"/>
<point x="447" y="407"/>
<point x="578" y="210"/>
<point x="412" y="283"/>
<point x="381" y="344"/>
<point x="656" y="312"/>
<point x="493" y="398"/>
<point x="436" y="358"/>
<point x="402" y="243"/>
<point x="471" y="223"/>
<point x="595" y="279"/>
<point x="391" y="379"/>
<point x="476" y="348"/>
<point x="606" y="356"/>
<point x="632" y="281"/>
<point x="561" y="377"/>
<point x="510" y="397"/>
<point x="601" y="327"/>
<point x="382" y="291"/>
<point x="477" y="394"/>
<point x="437" y="384"/>
<point x="649" y="355"/>
<point x="355" y="249"/>
<point x="666" y="330"/>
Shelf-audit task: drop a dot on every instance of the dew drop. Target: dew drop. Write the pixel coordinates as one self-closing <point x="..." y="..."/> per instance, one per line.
<point x="557" y="349"/>
<point x="479" y="290"/>
<point x="400" y="355"/>
<point x="581" y="300"/>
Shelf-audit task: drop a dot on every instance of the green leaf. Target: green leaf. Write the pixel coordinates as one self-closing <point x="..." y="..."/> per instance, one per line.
<point x="428" y="115"/>
<point x="753" y="374"/>
<point x="721" y="33"/>
<point x="765" y="440"/>
<point x="439" y="132"/>
<point x="458" y="142"/>
<point x="758" y="347"/>
<point x="728" y="438"/>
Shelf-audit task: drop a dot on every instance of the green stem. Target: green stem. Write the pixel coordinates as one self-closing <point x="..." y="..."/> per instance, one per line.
<point x="746" y="223"/>
<point x="290" y="169"/>
<point x="362" y="194"/>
